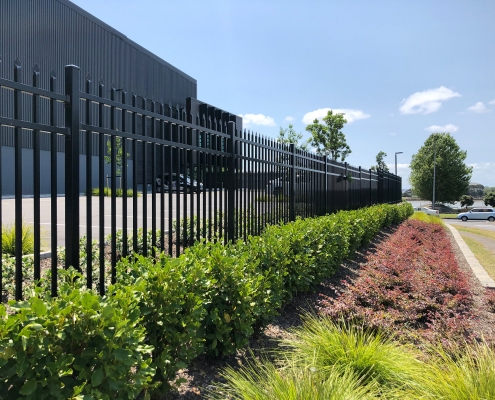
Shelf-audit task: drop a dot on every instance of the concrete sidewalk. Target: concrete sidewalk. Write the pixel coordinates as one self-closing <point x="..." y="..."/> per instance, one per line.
<point x="477" y="268"/>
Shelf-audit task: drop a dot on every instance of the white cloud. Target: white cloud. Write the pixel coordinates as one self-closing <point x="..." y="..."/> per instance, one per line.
<point x="289" y="119"/>
<point x="451" y="128"/>
<point x="349" y="115"/>
<point x="428" y="101"/>
<point x="483" y="173"/>
<point x="492" y="102"/>
<point x="478" y="108"/>
<point x="257" y="119"/>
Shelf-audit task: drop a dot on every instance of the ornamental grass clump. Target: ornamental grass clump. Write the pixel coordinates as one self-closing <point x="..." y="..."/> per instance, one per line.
<point x="465" y="373"/>
<point x="262" y="380"/>
<point x="9" y="235"/>
<point x="370" y="355"/>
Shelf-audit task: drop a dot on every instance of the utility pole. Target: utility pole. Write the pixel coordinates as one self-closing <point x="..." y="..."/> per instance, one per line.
<point x="434" y="166"/>
<point x="398" y="152"/>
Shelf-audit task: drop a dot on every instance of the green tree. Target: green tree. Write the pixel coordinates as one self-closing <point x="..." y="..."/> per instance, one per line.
<point x="118" y="154"/>
<point x="289" y="135"/>
<point x="488" y="189"/>
<point x="466" y="200"/>
<point x="328" y="139"/>
<point x="452" y="174"/>
<point x="380" y="164"/>
<point x="489" y="199"/>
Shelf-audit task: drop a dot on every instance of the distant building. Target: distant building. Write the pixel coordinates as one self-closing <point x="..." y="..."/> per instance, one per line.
<point x="475" y="189"/>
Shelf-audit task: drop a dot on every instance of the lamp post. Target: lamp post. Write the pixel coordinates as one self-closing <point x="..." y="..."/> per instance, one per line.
<point x="399" y="152"/>
<point x="434" y="167"/>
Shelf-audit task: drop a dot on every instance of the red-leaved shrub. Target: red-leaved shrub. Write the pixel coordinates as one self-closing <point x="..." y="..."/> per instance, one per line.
<point x="412" y="285"/>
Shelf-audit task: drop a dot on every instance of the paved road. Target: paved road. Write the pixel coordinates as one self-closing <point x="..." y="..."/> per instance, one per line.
<point x="8" y="213"/>
<point x="490" y="226"/>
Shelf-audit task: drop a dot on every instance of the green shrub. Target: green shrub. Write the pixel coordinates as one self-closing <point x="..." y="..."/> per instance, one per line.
<point x="107" y="192"/>
<point x="233" y="294"/>
<point x="170" y="302"/>
<point x="8" y="239"/>
<point x="77" y="344"/>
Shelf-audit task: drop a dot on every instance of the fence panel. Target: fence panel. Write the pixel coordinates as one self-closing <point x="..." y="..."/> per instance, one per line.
<point x="144" y="176"/>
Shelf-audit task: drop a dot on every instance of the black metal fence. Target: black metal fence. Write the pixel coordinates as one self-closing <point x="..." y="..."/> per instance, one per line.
<point x="180" y="176"/>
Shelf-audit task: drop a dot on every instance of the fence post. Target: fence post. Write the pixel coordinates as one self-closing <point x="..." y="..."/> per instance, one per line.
<point x="72" y="115"/>
<point x="326" y="184"/>
<point x="231" y="181"/>
<point x="371" y="191"/>
<point x="292" y="183"/>
<point x="360" y="189"/>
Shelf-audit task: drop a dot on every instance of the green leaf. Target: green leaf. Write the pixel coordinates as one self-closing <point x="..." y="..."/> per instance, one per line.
<point x="97" y="377"/>
<point x="122" y="354"/>
<point x="39" y="307"/>
<point x="108" y="312"/>
<point x="29" y="387"/>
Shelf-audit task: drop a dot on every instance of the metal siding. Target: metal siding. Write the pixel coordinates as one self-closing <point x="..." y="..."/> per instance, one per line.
<point x="55" y="33"/>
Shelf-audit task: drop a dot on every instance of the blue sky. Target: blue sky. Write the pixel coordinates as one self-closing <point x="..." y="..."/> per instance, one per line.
<point x="398" y="69"/>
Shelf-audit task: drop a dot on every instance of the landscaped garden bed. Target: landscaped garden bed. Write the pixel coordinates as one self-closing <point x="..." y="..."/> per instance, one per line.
<point x="182" y="320"/>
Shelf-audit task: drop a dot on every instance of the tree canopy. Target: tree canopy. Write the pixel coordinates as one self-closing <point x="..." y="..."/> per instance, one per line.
<point x="328" y="138"/>
<point x="489" y="199"/>
<point x="289" y="135"/>
<point x="452" y="174"/>
<point x="466" y="200"/>
<point x="380" y="164"/>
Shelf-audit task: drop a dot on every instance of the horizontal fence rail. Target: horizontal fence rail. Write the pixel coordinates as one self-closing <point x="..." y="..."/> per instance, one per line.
<point x="138" y="175"/>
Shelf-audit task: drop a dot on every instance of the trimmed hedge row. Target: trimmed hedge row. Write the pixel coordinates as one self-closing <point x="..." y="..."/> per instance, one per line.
<point x="164" y="312"/>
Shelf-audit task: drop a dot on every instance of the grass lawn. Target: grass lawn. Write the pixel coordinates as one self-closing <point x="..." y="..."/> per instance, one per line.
<point x="484" y="256"/>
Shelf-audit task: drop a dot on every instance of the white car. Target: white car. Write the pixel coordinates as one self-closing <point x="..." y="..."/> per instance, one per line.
<point x="478" y="213"/>
<point x="427" y="210"/>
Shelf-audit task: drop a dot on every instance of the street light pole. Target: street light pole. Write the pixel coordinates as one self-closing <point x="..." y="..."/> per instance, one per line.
<point x="399" y="152"/>
<point x="434" y="167"/>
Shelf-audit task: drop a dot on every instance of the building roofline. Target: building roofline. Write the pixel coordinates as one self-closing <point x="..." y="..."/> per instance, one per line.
<point x="123" y="37"/>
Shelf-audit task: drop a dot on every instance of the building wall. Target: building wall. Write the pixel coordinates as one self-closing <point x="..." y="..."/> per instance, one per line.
<point x="56" y="33"/>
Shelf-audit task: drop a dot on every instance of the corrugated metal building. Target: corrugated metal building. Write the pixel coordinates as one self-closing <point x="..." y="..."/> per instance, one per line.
<point x="56" y="33"/>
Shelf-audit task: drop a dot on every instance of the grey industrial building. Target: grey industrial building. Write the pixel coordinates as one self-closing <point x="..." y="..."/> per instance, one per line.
<point x="54" y="33"/>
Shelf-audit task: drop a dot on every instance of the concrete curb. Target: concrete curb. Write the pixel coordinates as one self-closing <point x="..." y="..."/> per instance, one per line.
<point x="475" y="265"/>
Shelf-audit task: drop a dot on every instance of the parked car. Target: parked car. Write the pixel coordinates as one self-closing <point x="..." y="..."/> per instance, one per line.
<point x="427" y="210"/>
<point x="282" y="185"/>
<point x="185" y="183"/>
<point x="478" y="213"/>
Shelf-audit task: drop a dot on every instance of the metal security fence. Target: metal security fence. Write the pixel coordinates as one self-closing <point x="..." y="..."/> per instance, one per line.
<point x="142" y="176"/>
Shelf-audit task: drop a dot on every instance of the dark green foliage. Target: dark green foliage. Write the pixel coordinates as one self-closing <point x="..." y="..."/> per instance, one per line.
<point x="328" y="139"/>
<point x="76" y="344"/>
<point x="170" y="302"/>
<point x="489" y="199"/>
<point x="236" y="294"/>
<point x="452" y="175"/>
<point x="466" y="200"/>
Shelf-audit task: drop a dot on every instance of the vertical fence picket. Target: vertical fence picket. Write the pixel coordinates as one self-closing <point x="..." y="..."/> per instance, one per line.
<point x="124" y="177"/>
<point x="113" y="184"/>
<point x="36" y="175"/>
<point x="101" y="198"/>
<point x="89" y="186"/>
<point x="53" y="185"/>
<point x="18" y="183"/>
